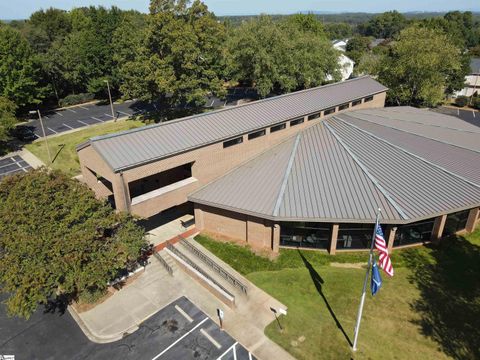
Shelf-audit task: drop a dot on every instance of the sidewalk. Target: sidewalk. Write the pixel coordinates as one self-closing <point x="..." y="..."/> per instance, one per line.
<point x="155" y="288"/>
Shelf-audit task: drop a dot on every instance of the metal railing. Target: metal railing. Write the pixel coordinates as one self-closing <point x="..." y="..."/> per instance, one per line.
<point x="196" y="267"/>
<point x="163" y="262"/>
<point x="214" y="266"/>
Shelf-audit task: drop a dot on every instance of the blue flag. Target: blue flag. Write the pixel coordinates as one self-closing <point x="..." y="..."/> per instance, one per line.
<point x="376" y="283"/>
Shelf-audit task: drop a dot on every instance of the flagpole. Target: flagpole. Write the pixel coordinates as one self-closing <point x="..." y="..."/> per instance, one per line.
<point x="362" y="299"/>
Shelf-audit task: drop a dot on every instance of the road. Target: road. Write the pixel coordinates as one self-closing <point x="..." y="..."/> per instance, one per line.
<point x="178" y="331"/>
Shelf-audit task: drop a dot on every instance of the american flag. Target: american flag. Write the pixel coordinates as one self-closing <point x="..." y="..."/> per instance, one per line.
<point x="381" y="246"/>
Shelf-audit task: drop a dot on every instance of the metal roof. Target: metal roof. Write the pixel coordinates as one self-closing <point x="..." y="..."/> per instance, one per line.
<point x="344" y="168"/>
<point x="475" y="66"/>
<point x="139" y="146"/>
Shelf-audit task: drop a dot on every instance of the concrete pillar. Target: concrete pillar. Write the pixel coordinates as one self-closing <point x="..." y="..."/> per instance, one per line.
<point x="199" y="219"/>
<point x="121" y="193"/>
<point x="391" y="238"/>
<point x="275" y="238"/>
<point x="472" y="219"/>
<point x="438" y="227"/>
<point x="333" y="239"/>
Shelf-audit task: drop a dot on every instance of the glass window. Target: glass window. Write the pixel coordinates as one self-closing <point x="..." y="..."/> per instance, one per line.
<point x="354" y="236"/>
<point x="329" y="111"/>
<point x="368" y="98"/>
<point x="296" y="121"/>
<point x="305" y="234"/>
<point x="343" y="107"/>
<point x="313" y="116"/>
<point x="357" y="102"/>
<point x="456" y="222"/>
<point x="418" y="232"/>
<point x="232" y="142"/>
<point x="256" y="134"/>
<point x="277" y="127"/>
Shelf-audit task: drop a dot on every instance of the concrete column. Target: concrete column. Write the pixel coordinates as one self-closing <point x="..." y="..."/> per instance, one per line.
<point x="275" y="238"/>
<point x="199" y="219"/>
<point x="121" y="193"/>
<point x="472" y="219"/>
<point x="333" y="239"/>
<point x="391" y="238"/>
<point x="438" y="227"/>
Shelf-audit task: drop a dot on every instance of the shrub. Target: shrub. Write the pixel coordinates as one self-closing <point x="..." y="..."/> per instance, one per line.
<point x="461" y="101"/>
<point x="75" y="99"/>
<point x="476" y="103"/>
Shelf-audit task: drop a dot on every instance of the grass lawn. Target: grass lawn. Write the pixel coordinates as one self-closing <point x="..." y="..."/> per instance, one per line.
<point x="63" y="147"/>
<point x="430" y="309"/>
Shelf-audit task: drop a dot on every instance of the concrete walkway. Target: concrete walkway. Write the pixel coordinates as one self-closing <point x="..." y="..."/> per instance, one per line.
<point x="155" y="288"/>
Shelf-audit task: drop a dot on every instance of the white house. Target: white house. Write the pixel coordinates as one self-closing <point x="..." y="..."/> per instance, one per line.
<point x="472" y="80"/>
<point x="346" y="64"/>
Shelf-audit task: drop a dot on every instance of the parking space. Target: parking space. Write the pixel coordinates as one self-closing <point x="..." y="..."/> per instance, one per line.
<point x="12" y="165"/>
<point x="178" y="331"/>
<point x="470" y="116"/>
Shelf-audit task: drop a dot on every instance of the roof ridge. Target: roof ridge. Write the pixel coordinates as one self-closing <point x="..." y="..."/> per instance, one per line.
<point x="420" y="123"/>
<point x="407" y="152"/>
<point x="283" y="187"/>
<point x="164" y="123"/>
<point x="405" y="131"/>
<point x="365" y="170"/>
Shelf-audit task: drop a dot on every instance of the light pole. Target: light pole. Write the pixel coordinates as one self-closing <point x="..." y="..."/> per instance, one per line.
<point x="43" y="131"/>
<point x="110" y="97"/>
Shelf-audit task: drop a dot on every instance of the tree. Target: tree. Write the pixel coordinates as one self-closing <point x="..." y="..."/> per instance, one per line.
<point x="180" y="60"/>
<point x="337" y="31"/>
<point x="59" y="241"/>
<point x="18" y="69"/>
<point x="357" y="46"/>
<point x="385" y="25"/>
<point x="46" y="26"/>
<point x="7" y="118"/>
<point x="280" y="57"/>
<point x="419" y="68"/>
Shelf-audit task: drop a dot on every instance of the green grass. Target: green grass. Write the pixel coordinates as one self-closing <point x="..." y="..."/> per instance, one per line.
<point x="430" y="309"/>
<point x="62" y="148"/>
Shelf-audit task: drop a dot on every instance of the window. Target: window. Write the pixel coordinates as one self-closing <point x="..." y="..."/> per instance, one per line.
<point x="313" y="116"/>
<point x="329" y="111"/>
<point x="305" y="234"/>
<point x="277" y="127"/>
<point x="456" y="222"/>
<point x="354" y="236"/>
<point x="296" y="122"/>
<point x="414" y="233"/>
<point x="356" y="102"/>
<point x="343" y="107"/>
<point x="232" y="142"/>
<point x="256" y="134"/>
<point x="369" y="98"/>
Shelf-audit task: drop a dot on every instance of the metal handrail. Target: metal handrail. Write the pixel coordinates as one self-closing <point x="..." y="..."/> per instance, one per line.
<point x="196" y="267"/>
<point x="213" y="265"/>
<point x="163" y="262"/>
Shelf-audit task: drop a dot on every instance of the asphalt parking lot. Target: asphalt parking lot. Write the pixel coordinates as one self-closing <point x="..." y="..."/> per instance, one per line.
<point x="11" y="165"/>
<point x="470" y="116"/>
<point x="178" y="331"/>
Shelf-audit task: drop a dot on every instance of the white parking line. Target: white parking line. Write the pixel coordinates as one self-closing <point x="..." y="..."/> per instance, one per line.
<point x="473" y="112"/>
<point x="108" y="115"/>
<point x="180" y="339"/>
<point x="52" y="130"/>
<point x="83" y="107"/>
<point x="210" y="338"/>
<point x="228" y="350"/>
<point x="124" y="113"/>
<point x="183" y="313"/>
<point x="68" y="126"/>
<point x="72" y="110"/>
<point x="58" y="113"/>
<point x="94" y="118"/>
<point x="84" y="123"/>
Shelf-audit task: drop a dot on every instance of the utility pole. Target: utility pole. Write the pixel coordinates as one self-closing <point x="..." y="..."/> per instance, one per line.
<point x="44" y="135"/>
<point x="111" y="103"/>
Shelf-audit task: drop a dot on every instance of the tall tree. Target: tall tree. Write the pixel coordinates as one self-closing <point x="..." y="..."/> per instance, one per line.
<point x="7" y="118"/>
<point x="18" y="69"/>
<point x="357" y="46"/>
<point x="420" y="67"/>
<point x="385" y="25"/>
<point x="181" y="57"/>
<point x="58" y="240"/>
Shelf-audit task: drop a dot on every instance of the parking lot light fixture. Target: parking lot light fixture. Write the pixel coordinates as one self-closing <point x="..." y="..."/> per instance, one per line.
<point x="43" y="132"/>
<point x="110" y="97"/>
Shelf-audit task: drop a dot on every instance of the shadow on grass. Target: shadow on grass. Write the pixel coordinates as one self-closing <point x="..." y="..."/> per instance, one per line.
<point x="449" y="282"/>
<point x="318" y="282"/>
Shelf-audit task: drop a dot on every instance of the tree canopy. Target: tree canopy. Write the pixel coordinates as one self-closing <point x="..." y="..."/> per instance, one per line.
<point x="7" y="118"/>
<point x="58" y="240"/>
<point x="385" y="25"/>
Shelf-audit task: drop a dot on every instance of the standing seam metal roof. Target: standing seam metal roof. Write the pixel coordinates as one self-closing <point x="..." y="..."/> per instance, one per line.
<point x="344" y="168"/>
<point x="139" y="146"/>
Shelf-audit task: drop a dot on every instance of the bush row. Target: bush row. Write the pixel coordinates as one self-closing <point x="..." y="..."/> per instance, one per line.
<point x="76" y="99"/>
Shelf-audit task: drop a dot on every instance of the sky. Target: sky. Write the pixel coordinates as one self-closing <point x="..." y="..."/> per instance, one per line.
<point x="21" y="9"/>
